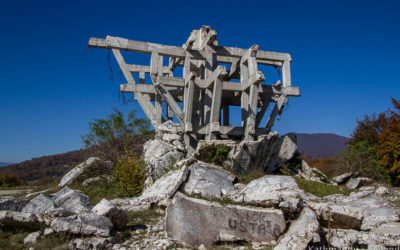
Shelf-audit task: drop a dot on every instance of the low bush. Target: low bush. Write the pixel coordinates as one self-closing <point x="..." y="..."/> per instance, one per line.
<point x="215" y="154"/>
<point x="320" y="189"/>
<point x="9" y="180"/>
<point x="129" y="174"/>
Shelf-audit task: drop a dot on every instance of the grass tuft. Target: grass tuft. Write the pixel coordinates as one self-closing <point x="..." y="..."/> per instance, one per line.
<point x="321" y="189"/>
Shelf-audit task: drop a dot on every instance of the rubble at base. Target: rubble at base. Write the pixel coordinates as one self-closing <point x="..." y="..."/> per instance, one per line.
<point x="199" y="204"/>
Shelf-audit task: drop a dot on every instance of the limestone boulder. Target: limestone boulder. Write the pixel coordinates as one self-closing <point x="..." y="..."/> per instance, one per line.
<point x="340" y="179"/>
<point x="172" y="137"/>
<point x="39" y="205"/>
<point x="118" y="217"/>
<point x="268" y="153"/>
<point x="311" y="174"/>
<point x="76" y="171"/>
<point x="386" y="236"/>
<point x="32" y="237"/>
<point x="273" y="190"/>
<point x="381" y="190"/>
<point x="159" y="157"/>
<point x="105" y="177"/>
<point x="208" y="181"/>
<point x="197" y="222"/>
<point x="363" y="210"/>
<point x="302" y="232"/>
<point x="157" y="194"/>
<point x="170" y="127"/>
<point x="354" y="183"/>
<point x="84" y="224"/>
<point x="72" y="200"/>
<point x="89" y="243"/>
<point x="18" y="219"/>
<point x="12" y="205"/>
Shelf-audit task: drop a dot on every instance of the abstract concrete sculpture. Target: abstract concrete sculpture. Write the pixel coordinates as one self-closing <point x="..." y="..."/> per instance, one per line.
<point x="207" y="87"/>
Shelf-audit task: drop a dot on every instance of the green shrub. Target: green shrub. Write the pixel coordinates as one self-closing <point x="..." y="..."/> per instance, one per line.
<point x="320" y="189"/>
<point x="129" y="174"/>
<point x="9" y="180"/>
<point x="216" y="154"/>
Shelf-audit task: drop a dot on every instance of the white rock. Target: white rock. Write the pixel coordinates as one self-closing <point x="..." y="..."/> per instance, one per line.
<point x="349" y="238"/>
<point x="118" y="217"/>
<point x="354" y="183"/>
<point x="89" y="243"/>
<point x="272" y="190"/>
<point x="208" y="181"/>
<point x="172" y="137"/>
<point x="197" y="221"/>
<point x="48" y="231"/>
<point x="105" y="177"/>
<point x="32" y="237"/>
<point x="76" y="171"/>
<point x="159" y="193"/>
<point x="170" y="127"/>
<point x="311" y="174"/>
<point x="363" y="210"/>
<point x="12" y="205"/>
<point x="301" y="232"/>
<point x="39" y="205"/>
<point x="381" y="190"/>
<point x="85" y="224"/>
<point x="268" y="153"/>
<point x="340" y="179"/>
<point x="159" y="156"/>
<point x="72" y="200"/>
<point x="18" y="218"/>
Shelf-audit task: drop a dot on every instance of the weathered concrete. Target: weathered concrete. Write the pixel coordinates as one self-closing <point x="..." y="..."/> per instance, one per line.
<point x="268" y="153"/>
<point x="340" y="179"/>
<point x="311" y="174"/>
<point x="273" y="190"/>
<point x="157" y="194"/>
<point x="85" y="224"/>
<point x="89" y="243"/>
<point x="170" y="127"/>
<point x="76" y="171"/>
<point x="208" y="181"/>
<point x="386" y="236"/>
<point x="72" y="200"/>
<point x="197" y="222"/>
<point x="12" y="205"/>
<point x="39" y="205"/>
<point x="363" y="210"/>
<point x="18" y="219"/>
<point x="118" y="217"/>
<point x="354" y="183"/>
<point x="159" y="157"/>
<point x="301" y="233"/>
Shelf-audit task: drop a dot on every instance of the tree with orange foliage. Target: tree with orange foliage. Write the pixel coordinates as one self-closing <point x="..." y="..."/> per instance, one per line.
<point x="389" y="144"/>
<point x="374" y="147"/>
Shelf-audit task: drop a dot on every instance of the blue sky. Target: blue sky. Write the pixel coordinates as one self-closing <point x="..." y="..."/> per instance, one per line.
<point x="345" y="60"/>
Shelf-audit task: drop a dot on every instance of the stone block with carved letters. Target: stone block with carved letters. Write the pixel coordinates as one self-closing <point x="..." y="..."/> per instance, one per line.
<point x="197" y="222"/>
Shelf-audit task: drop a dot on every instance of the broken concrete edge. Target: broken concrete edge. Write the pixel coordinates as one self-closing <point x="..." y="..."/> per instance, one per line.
<point x="246" y="223"/>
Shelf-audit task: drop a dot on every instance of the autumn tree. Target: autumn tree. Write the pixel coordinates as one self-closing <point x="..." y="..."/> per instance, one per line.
<point x="389" y="144"/>
<point x="374" y="147"/>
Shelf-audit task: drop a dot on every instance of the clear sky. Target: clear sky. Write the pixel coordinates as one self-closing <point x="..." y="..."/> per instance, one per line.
<point x="346" y="60"/>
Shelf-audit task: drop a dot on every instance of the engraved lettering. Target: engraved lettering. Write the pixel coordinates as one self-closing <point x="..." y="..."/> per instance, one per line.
<point x="232" y="225"/>
<point x="261" y="228"/>
<point x="242" y="226"/>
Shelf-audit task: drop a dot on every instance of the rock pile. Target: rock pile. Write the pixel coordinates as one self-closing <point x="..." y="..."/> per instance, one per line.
<point x="65" y="211"/>
<point x="161" y="154"/>
<point x="202" y="204"/>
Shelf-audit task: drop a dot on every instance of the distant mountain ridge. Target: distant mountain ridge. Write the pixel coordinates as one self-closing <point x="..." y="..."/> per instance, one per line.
<point x="321" y="144"/>
<point x="3" y="164"/>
